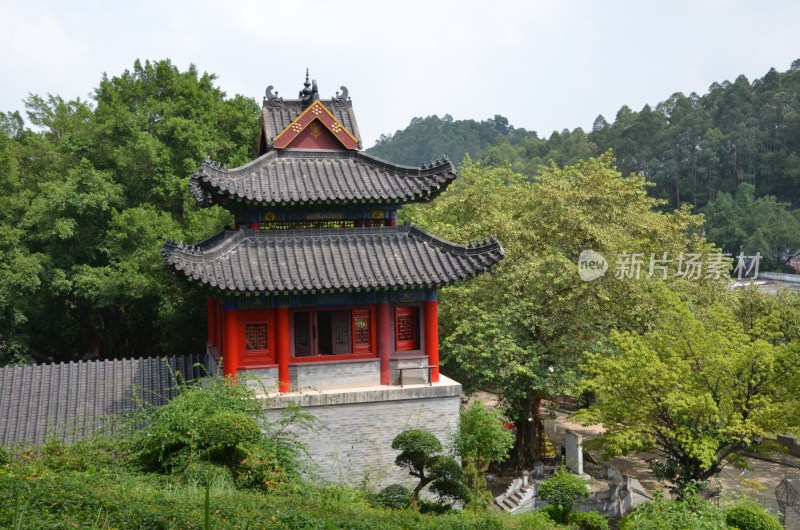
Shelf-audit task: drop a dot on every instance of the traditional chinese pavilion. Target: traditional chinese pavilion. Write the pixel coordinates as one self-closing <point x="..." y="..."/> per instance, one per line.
<point x="316" y="286"/>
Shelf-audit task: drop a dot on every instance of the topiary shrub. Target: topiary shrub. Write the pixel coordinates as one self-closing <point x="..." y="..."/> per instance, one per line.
<point x="394" y="497"/>
<point x="589" y="520"/>
<point x="562" y="490"/>
<point x="419" y="455"/>
<point x="751" y="517"/>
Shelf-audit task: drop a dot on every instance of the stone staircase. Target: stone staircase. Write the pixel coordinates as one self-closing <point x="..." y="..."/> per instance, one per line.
<point x="519" y="493"/>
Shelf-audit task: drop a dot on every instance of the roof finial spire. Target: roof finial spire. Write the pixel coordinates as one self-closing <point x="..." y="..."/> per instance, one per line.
<point x="309" y="94"/>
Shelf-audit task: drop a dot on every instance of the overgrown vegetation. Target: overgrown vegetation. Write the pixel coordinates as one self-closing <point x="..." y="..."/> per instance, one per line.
<point x="697" y="514"/>
<point x="161" y="477"/>
<point x="217" y="429"/>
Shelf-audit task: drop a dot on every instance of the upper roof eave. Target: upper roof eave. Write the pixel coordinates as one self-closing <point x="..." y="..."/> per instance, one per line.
<point x="318" y="177"/>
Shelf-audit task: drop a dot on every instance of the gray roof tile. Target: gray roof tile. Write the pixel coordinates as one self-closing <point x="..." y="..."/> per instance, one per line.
<point x="72" y="400"/>
<point x="318" y="177"/>
<point x="279" y="261"/>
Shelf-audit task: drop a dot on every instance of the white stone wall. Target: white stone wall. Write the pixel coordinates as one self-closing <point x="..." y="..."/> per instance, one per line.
<point x="353" y="445"/>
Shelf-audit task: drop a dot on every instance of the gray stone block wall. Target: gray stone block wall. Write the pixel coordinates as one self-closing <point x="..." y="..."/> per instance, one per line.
<point x="353" y="445"/>
<point x="261" y="379"/>
<point x="410" y="377"/>
<point x="342" y="374"/>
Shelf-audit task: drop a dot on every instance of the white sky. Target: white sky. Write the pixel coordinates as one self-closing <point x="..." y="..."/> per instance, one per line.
<point x="544" y="64"/>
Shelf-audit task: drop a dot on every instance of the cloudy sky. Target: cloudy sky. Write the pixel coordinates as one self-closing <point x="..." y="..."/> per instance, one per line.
<point x="544" y="64"/>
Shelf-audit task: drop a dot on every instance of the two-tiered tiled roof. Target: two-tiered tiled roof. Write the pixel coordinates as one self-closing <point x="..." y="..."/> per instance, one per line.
<point x="309" y="159"/>
<point x="314" y="260"/>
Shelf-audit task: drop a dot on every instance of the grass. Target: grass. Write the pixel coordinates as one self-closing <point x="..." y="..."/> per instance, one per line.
<point x="41" y="491"/>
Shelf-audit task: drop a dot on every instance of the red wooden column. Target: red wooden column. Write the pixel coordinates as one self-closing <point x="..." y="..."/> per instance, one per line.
<point x="231" y="343"/>
<point x="385" y="341"/>
<point x="282" y="348"/>
<point x="432" y="337"/>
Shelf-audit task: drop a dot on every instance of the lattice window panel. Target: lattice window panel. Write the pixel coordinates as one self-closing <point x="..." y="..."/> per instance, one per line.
<point x="341" y="332"/>
<point x="302" y="334"/>
<point x="255" y="336"/>
<point x="406" y="328"/>
<point x="361" y="328"/>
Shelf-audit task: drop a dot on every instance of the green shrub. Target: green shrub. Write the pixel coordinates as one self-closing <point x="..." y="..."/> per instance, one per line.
<point x="94" y="453"/>
<point x="663" y="514"/>
<point x="531" y="521"/>
<point x="394" y="497"/>
<point x="5" y="455"/>
<point x="751" y="517"/>
<point x="589" y="520"/>
<point x="206" y="473"/>
<point x="224" y="438"/>
<point x="177" y="431"/>
<point x="561" y="491"/>
<point x="260" y="468"/>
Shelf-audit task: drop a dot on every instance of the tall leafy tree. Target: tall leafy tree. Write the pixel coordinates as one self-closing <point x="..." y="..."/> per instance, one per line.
<point x="702" y="384"/>
<point x="94" y="188"/>
<point x="523" y="329"/>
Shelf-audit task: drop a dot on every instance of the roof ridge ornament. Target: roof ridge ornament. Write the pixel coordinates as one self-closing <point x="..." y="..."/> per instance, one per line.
<point x="309" y="94"/>
<point x="272" y="99"/>
<point x="341" y="100"/>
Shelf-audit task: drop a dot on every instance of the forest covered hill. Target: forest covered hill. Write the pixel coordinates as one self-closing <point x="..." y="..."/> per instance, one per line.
<point x="691" y="147"/>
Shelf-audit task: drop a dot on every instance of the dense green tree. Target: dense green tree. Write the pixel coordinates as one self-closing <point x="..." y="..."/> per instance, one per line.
<point x="90" y="194"/>
<point x="744" y="224"/>
<point x="524" y="328"/>
<point x="562" y="491"/>
<point x="701" y="385"/>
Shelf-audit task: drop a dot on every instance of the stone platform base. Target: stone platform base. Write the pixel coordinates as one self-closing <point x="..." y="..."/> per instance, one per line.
<point x="358" y="425"/>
